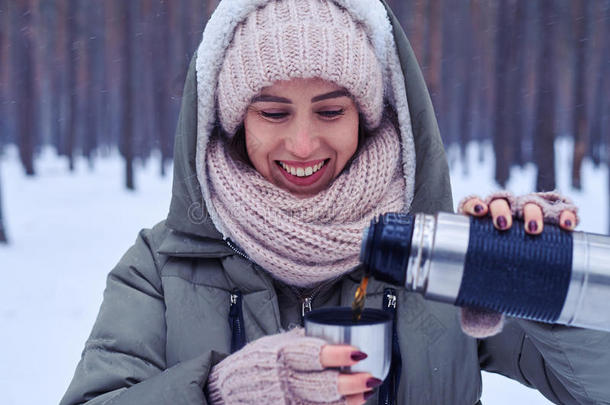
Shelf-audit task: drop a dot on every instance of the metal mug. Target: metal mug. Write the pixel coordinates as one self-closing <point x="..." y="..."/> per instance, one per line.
<point x="372" y="334"/>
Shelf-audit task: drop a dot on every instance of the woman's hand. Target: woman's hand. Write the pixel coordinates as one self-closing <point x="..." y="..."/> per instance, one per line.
<point x="290" y="368"/>
<point x="534" y="209"/>
<point x="356" y="387"/>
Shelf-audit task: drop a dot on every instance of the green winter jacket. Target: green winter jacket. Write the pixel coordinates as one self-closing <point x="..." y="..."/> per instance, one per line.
<point x="165" y="317"/>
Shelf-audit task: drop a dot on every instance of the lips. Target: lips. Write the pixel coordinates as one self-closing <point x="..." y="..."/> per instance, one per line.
<point x="303" y="180"/>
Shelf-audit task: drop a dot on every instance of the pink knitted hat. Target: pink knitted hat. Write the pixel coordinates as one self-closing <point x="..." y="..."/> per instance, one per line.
<point x="289" y="39"/>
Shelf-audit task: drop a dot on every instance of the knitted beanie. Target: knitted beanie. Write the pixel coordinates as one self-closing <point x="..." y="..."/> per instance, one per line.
<point x="289" y="39"/>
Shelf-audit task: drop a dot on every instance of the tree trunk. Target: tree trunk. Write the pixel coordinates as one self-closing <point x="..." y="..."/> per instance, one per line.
<point x="73" y="62"/>
<point x="5" y="95"/>
<point x="579" y="119"/>
<point x="3" y="235"/>
<point x="465" y="100"/>
<point x="544" y="136"/>
<point x="418" y="35"/>
<point x="61" y="87"/>
<point x="600" y="53"/>
<point x="504" y="131"/>
<point x="162" y="80"/>
<point x="25" y="94"/>
<point x="127" y="133"/>
<point x="92" y="91"/>
<point x="434" y="54"/>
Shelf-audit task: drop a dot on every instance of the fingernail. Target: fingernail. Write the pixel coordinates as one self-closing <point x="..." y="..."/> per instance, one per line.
<point x="532" y="226"/>
<point x="567" y="223"/>
<point x="501" y="221"/>
<point x="357" y="356"/>
<point x="373" y="382"/>
<point x="478" y="208"/>
<point x="368" y="394"/>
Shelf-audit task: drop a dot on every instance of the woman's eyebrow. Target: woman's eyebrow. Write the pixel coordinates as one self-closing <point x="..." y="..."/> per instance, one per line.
<point x="269" y="98"/>
<point x="332" y="94"/>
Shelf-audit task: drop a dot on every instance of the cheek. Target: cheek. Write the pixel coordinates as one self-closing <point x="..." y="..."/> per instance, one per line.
<point x="258" y="146"/>
<point x="347" y="143"/>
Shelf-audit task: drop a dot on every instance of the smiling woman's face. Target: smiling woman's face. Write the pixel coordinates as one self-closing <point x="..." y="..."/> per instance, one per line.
<point x="301" y="133"/>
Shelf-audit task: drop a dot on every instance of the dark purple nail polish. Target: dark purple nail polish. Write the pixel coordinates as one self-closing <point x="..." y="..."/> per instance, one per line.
<point x="373" y="382"/>
<point x="357" y="356"/>
<point x="567" y="223"/>
<point x="368" y="394"/>
<point x="532" y="226"/>
<point x="501" y="221"/>
<point x="478" y="208"/>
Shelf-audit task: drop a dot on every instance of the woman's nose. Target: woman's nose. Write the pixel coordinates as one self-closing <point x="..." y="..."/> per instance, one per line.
<point x="302" y="142"/>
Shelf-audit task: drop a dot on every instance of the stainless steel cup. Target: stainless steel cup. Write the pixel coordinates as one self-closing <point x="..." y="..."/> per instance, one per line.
<point x="371" y="335"/>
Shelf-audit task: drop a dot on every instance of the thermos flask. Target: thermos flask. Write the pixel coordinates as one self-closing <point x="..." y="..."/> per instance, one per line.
<point x="555" y="277"/>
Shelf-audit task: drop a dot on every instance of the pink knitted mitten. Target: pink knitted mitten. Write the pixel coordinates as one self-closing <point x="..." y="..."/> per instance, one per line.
<point x="282" y="369"/>
<point x="481" y="323"/>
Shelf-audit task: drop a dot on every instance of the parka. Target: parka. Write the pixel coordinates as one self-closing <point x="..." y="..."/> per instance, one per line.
<point x="182" y="298"/>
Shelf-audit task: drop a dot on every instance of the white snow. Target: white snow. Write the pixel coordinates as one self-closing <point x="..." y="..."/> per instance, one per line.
<point x="67" y="230"/>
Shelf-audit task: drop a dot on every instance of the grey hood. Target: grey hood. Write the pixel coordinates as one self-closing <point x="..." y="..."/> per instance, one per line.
<point x="424" y="164"/>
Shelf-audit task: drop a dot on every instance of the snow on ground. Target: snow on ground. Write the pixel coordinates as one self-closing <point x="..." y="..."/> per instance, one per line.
<point x="67" y="230"/>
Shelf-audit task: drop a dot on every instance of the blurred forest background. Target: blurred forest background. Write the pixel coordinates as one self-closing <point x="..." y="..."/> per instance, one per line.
<point x="90" y="76"/>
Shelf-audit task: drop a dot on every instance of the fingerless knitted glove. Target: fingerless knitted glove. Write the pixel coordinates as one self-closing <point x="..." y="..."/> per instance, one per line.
<point x="282" y="369"/>
<point x="481" y="323"/>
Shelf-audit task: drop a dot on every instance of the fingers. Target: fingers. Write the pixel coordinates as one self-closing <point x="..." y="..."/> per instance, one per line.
<point x="499" y="209"/>
<point x="533" y="216"/>
<point x="340" y="355"/>
<point x="567" y="220"/>
<point x="475" y="207"/>
<point x="533" y="219"/>
<point x="359" y="399"/>
<point x="357" y="383"/>
<point x="501" y="214"/>
<point x="357" y="388"/>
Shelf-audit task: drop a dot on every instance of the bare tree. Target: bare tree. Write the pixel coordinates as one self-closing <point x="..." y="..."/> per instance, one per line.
<point x="580" y="123"/>
<point x="161" y="99"/>
<point x="129" y="9"/>
<point x="434" y="52"/>
<point x="25" y="96"/>
<point x="4" y="72"/>
<point x="3" y="236"/>
<point x="599" y="52"/>
<point x="507" y="128"/>
<point x="544" y="134"/>
<point x="73" y="69"/>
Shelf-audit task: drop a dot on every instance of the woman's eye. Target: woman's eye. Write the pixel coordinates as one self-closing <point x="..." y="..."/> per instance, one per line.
<point x="331" y="113"/>
<point x="274" y="115"/>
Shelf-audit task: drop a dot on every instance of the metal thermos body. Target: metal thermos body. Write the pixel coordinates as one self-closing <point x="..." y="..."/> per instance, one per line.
<point x="437" y="257"/>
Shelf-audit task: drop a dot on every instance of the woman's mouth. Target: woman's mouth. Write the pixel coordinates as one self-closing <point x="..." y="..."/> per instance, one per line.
<point x="303" y="174"/>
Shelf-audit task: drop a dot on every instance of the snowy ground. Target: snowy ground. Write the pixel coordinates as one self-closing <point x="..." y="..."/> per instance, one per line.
<point x="68" y="230"/>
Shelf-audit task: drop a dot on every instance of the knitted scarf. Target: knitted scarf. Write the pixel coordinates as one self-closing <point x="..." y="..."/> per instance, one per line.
<point x="305" y="241"/>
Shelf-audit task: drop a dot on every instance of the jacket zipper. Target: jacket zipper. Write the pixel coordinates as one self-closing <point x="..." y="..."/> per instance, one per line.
<point x="307" y="300"/>
<point x="389" y="388"/>
<point x="236" y="317"/>
<point x="236" y="250"/>
<point x="306" y="305"/>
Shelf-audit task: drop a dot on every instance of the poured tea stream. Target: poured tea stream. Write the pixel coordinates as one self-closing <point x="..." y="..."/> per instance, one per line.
<point x="359" y="298"/>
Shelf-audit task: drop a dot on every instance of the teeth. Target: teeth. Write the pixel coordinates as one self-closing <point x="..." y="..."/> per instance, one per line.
<point x="300" y="171"/>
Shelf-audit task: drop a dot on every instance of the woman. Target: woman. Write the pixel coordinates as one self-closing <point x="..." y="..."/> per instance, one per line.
<point x="302" y="120"/>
